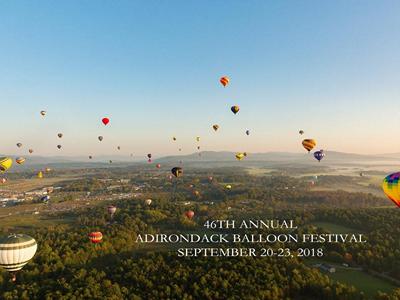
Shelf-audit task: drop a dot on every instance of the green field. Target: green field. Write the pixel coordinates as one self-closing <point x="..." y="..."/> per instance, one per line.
<point x="335" y="228"/>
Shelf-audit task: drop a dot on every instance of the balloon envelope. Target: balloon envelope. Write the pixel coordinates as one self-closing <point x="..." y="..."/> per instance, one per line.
<point x="309" y="144"/>
<point x="235" y="109"/>
<point x="224" y="80"/>
<point x="5" y="164"/>
<point x="95" y="237"/>
<point x="319" y="155"/>
<point x="177" y="171"/>
<point x="391" y="188"/>
<point x="189" y="214"/>
<point x="16" y="251"/>
<point x="105" y="121"/>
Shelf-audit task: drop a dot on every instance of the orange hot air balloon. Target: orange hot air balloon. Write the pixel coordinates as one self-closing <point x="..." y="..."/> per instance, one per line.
<point x="309" y="144"/>
<point x="224" y="80"/>
<point x="189" y="214"/>
<point x="20" y="160"/>
<point x="158" y="166"/>
<point x="105" y="121"/>
<point x="95" y="237"/>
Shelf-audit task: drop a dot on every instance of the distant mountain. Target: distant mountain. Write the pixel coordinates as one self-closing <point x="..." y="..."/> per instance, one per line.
<point x="218" y="158"/>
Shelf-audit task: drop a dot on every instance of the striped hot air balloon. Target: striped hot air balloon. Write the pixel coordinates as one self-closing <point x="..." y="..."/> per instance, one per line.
<point x="95" y="237"/>
<point x="391" y="187"/>
<point x="224" y="80"/>
<point x="309" y="144"/>
<point x="16" y="250"/>
<point x="235" y="109"/>
<point x="5" y="164"/>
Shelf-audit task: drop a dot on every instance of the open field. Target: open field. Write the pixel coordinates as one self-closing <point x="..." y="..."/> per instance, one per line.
<point x="24" y="185"/>
<point x="335" y="228"/>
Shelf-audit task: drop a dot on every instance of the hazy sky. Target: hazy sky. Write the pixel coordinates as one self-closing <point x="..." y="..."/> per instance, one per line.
<point x="331" y="68"/>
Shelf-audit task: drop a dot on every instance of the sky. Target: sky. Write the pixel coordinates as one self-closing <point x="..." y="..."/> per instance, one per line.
<point x="330" y="68"/>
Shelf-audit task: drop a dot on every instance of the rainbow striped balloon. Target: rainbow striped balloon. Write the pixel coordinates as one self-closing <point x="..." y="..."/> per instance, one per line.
<point x="391" y="187"/>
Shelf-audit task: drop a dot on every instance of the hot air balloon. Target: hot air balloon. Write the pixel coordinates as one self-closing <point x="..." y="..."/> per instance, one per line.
<point x="105" y="121"/>
<point x="59" y="146"/>
<point x="111" y="210"/>
<point x="196" y="193"/>
<point x="215" y="127"/>
<point x="60" y="135"/>
<point x="198" y="147"/>
<point x="30" y="151"/>
<point x="110" y="161"/>
<point x="319" y="155"/>
<point x="20" y="160"/>
<point x="100" y="138"/>
<point x="301" y="132"/>
<point x="210" y="178"/>
<point x="177" y="171"/>
<point x="45" y="199"/>
<point x="90" y="157"/>
<point x="119" y="148"/>
<point x="19" y="145"/>
<point x="248" y="132"/>
<point x="149" y="155"/>
<point x="43" y="113"/>
<point x="228" y="187"/>
<point x="174" y="138"/>
<point x="3" y="180"/>
<point x="390" y="187"/>
<point x="40" y="174"/>
<point x="198" y="138"/>
<point x="361" y="174"/>
<point x="16" y="250"/>
<point x="189" y="214"/>
<point x="309" y="144"/>
<point x="95" y="237"/>
<point x="158" y="166"/>
<point x="224" y="80"/>
<point x="47" y="170"/>
<point x="148" y="201"/>
<point x="180" y="149"/>
<point x="235" y="109"/>
<point x="5" y="164"/>
<point x="239" y="156"/>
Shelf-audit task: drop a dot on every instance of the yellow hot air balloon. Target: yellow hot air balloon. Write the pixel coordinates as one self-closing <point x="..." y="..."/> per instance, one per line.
<point x="198" y="138"/>
<point x="391" y="187"/>
<point x="5" y="164"/>
<point x="309" y="144"/>
<point x="240" y="156"/>
<point x="40" y="174"/>
<point x="228" y="187"/>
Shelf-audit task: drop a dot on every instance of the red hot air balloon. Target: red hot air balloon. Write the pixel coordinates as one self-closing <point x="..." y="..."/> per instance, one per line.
<point x="105" y="121"/>
<point x="224" y="80"/>
<point x="189" y="214"/>
<point x="95" y="237"/>
<point x="158" y="166"/>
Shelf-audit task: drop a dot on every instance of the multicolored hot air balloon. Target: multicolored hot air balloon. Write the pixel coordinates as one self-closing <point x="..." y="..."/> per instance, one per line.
<point x="189" y="214"/>
<point x="105" y="121"/>
<point x="309" y="144"/>
<point x="5" y="164"/>
<point x="319" y="155"/>
<point x="391" y="187"/>
<point x="20" y="160"/>
<point x="95" y="237"/>
<point x="177" y="171"/>
<point x="224" y="80"/>
<point x="235" y="109"/>
<point x="16" y="250"/>
<point x="215" y="127"/>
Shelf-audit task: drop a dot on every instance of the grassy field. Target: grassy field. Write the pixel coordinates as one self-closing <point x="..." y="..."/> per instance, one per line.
<point x="23" y="185"/>
<point x="335" y="228"/>
<point x="361" y="280"/>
